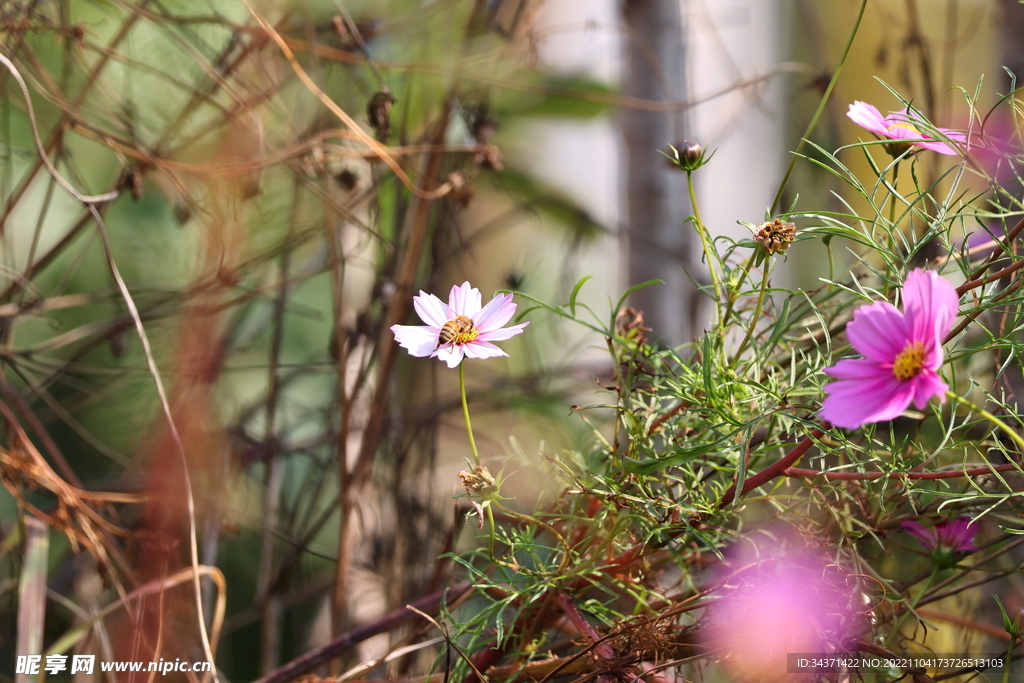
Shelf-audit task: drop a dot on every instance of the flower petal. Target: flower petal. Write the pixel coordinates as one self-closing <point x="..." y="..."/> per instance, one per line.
<point x="930" y="304"/>
<point x="859" y="369"/>
<point x="941" y="145"/>
<point x="464" y="300"/>
<point x="430" y="309"/>
<point x="921" y="533"/>
<point x="420" y="341"/>
<point x="482" y="349"/>
<point x="909" y="126"/>
<point x="878" y="331"/>
<point x="496" y="313"/>
<point x="503" y="333"/>
<point x="899" y="126"/>
<point x="456" y="298"/>
<point x="957" y="534"/>
<point x="954" y="135"/>
<point x="853" y="403"/>
<point x="867" y="116"/>
<point x="928" y="384"/>
<point x="937" y="146"/>
<point x="450" y="354"/>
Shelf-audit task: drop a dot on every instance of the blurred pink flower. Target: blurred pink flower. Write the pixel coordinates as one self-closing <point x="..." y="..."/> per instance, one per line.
<point x="903" y="127"/>
<point x="902" y="354"/>
<point x="984" y="241"/>
<point x="460" y="328"/>
<point x="995" y="145"/>
<point x="780" y="606"/>
<point x="952" y="535"/>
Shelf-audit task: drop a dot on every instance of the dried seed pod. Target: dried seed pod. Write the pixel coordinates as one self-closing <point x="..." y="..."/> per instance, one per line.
<point x="378" y="111"/>
<point x="775" y="235"/>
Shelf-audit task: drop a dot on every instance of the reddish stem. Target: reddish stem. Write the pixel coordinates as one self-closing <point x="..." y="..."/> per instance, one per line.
<point x="490" y="655"/>
<point x="773" y="470"/>
<point x="603" y="650"/>
<point x="871" y="476"/>
<point x="1010" y="236"/>
<point x="998" y="275"/>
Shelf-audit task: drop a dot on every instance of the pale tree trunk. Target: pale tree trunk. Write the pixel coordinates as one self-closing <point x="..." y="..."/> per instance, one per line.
<point x="658" y="245"/>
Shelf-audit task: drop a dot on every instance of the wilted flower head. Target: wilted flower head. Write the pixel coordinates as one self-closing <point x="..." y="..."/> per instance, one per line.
<point x="903" y="127"/>
<point x="630" y="324"/>
<point x="947" y="539"/>
<point x="460" y="328"/>
<point x="775" y="235"/>
<point x="479" y="481"/>
<point x="902" y="354"/>
<point x="783" y="605"/>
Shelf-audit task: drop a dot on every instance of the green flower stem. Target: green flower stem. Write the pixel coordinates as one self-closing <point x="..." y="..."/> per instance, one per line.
<point x="821" y="108"/>
<point x="757" y="313"/>
<point x="705" y="241"/>
<point x="465" y="413"/>
<point x="509" y="565"/>
<point x="534" y="520"/>
<point x="910" y="608"/>
<point x="1010" y="432"/>
<point x="1009" y="659"/>
<point x="476" y="460"/>
<point x="492" y="533"/>
<point x="491" y="514"/>
<point x="895" y="191"/>
<point x="734" y="295"/>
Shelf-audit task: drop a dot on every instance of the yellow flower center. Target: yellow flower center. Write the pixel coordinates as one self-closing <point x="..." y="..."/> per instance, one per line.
<point x="466" y="337"/>
<point x="909" y="362"/>
<point x="908" y="126"/>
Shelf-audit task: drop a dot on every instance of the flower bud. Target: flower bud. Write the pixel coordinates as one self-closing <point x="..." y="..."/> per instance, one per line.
<point x="691" y="152"/>
<point x="687" y="156"/>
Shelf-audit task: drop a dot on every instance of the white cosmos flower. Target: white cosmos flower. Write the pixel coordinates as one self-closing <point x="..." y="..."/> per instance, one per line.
<point x="460" y="328"/>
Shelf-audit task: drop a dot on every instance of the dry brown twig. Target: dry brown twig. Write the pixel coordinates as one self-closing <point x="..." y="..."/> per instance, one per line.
<point x="85" y="199"/>
<point x="76" y="514"/>
<point x="90" y="202"/>
<point x="381" y="150"/>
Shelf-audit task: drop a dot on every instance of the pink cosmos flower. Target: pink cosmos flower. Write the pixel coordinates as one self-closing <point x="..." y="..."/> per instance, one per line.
<point x="902" y="354"/>
<point x="460" y="328"/>
<point x="784" y="603"/>
<point x="904" y="127"/>
<point x="952" y="535"/>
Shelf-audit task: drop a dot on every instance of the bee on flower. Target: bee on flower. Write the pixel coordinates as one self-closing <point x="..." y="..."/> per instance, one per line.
<point x="462" y="328"/>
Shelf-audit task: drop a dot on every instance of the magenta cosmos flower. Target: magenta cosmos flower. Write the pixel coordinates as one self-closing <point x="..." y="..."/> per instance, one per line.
<point x="460" y="328"/>
<point x="902" y="127"/>
<point x="902" y="354"/>
<point x="779" y="603"/>
<point x="952" y="535"/>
